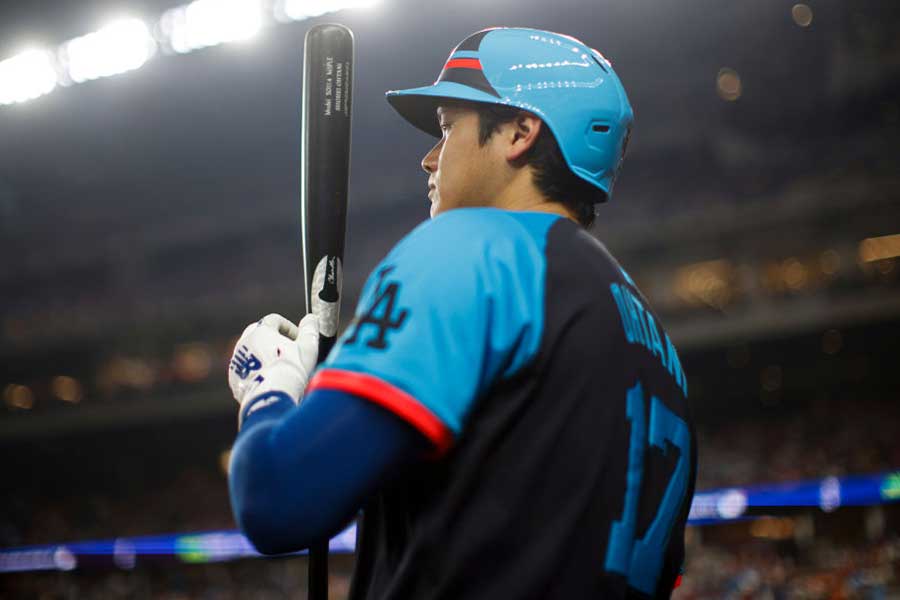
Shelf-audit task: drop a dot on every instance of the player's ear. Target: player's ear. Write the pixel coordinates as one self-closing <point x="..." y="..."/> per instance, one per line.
<point x="523" y="134"/>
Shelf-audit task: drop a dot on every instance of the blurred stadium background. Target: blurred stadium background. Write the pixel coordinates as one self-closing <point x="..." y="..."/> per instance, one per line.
<point x="148" y="211"/>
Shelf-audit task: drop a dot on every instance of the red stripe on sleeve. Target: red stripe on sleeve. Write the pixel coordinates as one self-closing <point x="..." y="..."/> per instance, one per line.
<point x="388" y="396"/>
<point x="463" y="63"/>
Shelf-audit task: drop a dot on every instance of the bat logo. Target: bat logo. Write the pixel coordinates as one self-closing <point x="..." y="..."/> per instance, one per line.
<point x="326" y="294"/>
<point x="330" y="292"/>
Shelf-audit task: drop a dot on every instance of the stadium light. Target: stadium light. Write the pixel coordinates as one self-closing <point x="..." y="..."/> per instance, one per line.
<point x="127" y="44"/>
<point x="879" y="248"/>
<point x="205" y="23"/>
<point x="117" y="48"/>
<point x="297" y="10"/>
<point x="27" y="76"/>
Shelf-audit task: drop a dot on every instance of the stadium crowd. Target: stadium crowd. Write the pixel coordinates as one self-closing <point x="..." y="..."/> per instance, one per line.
<point x="867" y="571"/>
<point x="831" y="438"/>
<point x="184" y="490"/>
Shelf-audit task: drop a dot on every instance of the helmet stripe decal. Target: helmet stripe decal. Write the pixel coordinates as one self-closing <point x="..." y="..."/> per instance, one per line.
<point x="465" y="68"/>
<point x="471" y="76"/>
<point x="473" y="41"/>
<point x="463" y="63"/>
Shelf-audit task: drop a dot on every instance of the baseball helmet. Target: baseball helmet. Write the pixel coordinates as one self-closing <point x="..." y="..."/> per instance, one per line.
<point x="569" y="85"/>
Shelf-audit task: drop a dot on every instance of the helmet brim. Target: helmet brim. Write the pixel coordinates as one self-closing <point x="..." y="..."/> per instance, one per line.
<point x="419" y="105"/>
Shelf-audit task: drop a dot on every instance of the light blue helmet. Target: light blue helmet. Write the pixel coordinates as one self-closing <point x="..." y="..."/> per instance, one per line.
<point x="569" y="85"/>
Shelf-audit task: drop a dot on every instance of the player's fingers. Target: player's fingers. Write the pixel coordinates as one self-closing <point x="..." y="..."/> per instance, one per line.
<point x="308" y="329"/>
<point x="281" y="325"/>
<point x="308" y="341"/>
<point x="247" y="331"/>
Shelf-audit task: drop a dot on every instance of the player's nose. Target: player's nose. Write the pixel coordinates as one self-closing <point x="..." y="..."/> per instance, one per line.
<point x="429" y="162"/>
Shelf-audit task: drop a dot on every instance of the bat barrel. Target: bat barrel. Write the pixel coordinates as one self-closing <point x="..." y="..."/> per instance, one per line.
<point x="325" y="153"/>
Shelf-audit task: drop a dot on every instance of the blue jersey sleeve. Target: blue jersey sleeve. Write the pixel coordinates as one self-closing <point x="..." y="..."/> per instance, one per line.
<point x="300" y="473"/>
<point x="456" y="306"/>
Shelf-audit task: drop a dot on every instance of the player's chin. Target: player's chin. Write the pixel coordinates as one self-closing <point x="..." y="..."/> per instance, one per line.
<point x="435" y="208"/>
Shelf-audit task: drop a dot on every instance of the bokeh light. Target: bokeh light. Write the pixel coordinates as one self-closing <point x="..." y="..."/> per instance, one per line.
<point x="120" y="47"/>
<point x="728" y="84"/>
<point x="710" y="282"/>
<point x="296" y="10"/>
<point x="879" y="248"/>
<point x="802" y="14"/>
<point x="122" y="372"/>
<point x="795" y="274"/>
<point x="26" y="76"/>
<point x="225" y="461"/>
<point x="18" y="396"/>
<point x="205" y="23"/>
<point x="67" y="389"/>
<point x="192" y="362"/>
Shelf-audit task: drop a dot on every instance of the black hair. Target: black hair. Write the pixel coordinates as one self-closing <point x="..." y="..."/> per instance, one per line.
<point x="552" y="175"/>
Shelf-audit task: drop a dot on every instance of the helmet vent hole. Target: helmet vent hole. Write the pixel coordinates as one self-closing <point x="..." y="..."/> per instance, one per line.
<point x="597" y="127"/>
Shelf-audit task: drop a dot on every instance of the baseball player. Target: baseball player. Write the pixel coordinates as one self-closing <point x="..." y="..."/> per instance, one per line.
<point x="505" y="407"/>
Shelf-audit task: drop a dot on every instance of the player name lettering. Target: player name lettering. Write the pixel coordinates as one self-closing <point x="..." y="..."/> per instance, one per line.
<point x="329" y="85"/>
<point x="339" y="86"/>
<point x="640" y="328"/>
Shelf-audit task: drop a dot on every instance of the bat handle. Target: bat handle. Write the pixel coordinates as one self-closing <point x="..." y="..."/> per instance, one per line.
<point x="318" y="552"/>
<point x="318" y="571"/>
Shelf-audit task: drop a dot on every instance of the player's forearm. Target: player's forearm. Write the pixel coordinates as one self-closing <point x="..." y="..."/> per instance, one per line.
<point x="299" y="474"/>
<point x="274" y="485"/>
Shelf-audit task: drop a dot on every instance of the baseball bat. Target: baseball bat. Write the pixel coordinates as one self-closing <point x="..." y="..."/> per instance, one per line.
<point x="325" y="154"/>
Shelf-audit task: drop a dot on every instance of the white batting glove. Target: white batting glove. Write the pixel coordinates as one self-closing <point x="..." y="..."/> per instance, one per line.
<point x="274" y="356"/>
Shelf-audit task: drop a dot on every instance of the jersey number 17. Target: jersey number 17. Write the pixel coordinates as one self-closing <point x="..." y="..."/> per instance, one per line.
<point x="640" y="560"/>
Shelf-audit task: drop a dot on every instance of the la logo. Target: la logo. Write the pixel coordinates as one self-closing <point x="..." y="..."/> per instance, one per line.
<point x="381" y="314"/>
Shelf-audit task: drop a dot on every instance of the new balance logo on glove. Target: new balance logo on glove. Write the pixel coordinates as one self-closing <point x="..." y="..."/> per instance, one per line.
<point x="243" y="362"/>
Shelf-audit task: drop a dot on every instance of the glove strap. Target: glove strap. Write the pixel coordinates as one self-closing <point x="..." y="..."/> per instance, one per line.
<point x="262" y="402"/>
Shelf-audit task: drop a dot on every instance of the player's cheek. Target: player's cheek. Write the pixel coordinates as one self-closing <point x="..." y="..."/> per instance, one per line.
<point x="445" y="179"/>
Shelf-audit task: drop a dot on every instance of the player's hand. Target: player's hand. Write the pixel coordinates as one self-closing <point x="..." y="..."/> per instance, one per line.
<point x="274" y="355"/>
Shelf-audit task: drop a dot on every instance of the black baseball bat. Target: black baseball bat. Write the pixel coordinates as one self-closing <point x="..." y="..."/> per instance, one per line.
<point x="325" y="154"/>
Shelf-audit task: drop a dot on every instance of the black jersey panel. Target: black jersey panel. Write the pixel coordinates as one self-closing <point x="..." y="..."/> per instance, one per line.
<point x="571" y="479"/>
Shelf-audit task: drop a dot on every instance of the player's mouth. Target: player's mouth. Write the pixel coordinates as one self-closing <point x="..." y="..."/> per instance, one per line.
<point x="431" y="190"/>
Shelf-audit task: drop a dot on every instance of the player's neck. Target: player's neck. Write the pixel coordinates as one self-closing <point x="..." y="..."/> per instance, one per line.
<point x="521" y="194"/>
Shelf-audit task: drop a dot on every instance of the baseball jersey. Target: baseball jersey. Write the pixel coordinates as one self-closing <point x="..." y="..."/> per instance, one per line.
<point x="563" y="458"/>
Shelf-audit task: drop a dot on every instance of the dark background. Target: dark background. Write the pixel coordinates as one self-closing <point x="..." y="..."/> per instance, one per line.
<point x="147" y="217"/>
